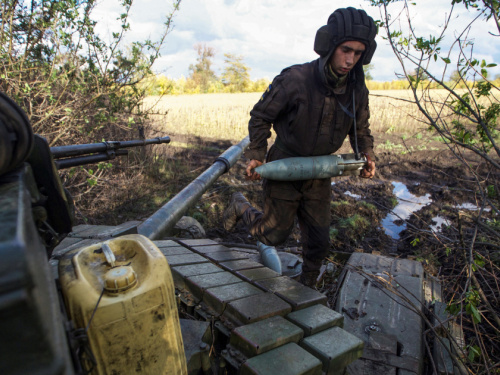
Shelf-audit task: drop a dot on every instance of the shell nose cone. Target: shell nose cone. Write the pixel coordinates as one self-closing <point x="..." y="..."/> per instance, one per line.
<point x="270" y="257"/>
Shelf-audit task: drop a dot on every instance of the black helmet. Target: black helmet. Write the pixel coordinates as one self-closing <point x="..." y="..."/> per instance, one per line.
<point x="347" y="24"/>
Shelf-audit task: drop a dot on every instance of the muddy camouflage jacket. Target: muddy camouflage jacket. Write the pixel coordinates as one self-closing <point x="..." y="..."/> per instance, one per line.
<point x="306" y="116"/>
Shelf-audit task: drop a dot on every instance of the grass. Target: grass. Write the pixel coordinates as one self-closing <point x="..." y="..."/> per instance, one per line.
<point x="335" y="204"/>
<point x="394" y="202"/>
<point x="225" y="116"/>
<point x="389" y="146"/>
<point x="217" y="116"/>
<point x="367" y="205"/>
<point x="356" y="222"/>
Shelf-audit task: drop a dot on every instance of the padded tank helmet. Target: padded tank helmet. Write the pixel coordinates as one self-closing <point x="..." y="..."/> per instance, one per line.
<point x="347" y="24"/>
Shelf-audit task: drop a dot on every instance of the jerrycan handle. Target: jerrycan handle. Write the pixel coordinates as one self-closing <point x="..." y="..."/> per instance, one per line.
<point x="108" y="253"/>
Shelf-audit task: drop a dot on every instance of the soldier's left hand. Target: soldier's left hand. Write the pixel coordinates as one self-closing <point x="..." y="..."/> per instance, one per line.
<point x="369" y="170"/>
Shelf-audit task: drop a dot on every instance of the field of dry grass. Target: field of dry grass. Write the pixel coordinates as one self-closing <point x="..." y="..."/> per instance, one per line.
<point x="219" y="116"/>
<point x="225" y="116"/>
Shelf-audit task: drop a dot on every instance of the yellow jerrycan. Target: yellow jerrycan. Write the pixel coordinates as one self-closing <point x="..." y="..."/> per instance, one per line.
<point x="122" y="293"/>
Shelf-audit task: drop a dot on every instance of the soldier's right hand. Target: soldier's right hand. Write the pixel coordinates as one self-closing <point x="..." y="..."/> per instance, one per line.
<point x="250" y="174"/>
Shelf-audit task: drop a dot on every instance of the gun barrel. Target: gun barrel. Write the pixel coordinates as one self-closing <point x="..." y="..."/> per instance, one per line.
<point x="88" y="159"/>
<point x="91" y="148"/>
<point x="312" y="167"/>
<point x="163" y="220"/>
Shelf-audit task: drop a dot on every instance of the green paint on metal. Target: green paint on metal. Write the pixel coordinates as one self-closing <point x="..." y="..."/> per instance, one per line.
<point x="79" y="229"/>
<point x="185" y="259"/>
<point x="312" y="167"/>
<point x="70" y="243"/>
<point x="335" y="347"/>
<point x="210" y="249"/>
<point x="96" y="230"/>
<point x="301" y="297"/>
<point x="198" y="242"/>
<point x="254" y="308"/>
<point x="197" y="284"/>
<point x="258" y="274"/>
<point x="223" y="256"/>
<point x="260" y="337"/>
<point x="196" y="337"/>
<point x="293" y="292"/>
<point x="384" y="342"/>
<point x="237" y="265"/>
<point x="217" y="298"/>
<point x="289" y="359"/>
<point x="441" y="356"/>
<point x="181" y="272"/>
<point x="166" y="243"/>
<point x="130" y="227"/>
<point x="278" y="284"/>
<point x="178" y="250"/>
<point x="368" y="306"/>
<point x="316" y="318"/>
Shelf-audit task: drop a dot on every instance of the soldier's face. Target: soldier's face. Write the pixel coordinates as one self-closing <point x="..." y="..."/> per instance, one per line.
<point x="346" y="56"/>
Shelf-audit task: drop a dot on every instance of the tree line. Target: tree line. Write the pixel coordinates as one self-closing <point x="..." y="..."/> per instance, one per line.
<point x="202" y="78"/>
<point x="235" y="78"/>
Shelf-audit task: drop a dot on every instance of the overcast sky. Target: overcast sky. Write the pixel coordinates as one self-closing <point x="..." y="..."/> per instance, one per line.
<point x="274" y="34"/>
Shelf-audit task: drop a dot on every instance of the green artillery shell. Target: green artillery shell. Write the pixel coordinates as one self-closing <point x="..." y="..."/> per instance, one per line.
<point x="307" y="168"/>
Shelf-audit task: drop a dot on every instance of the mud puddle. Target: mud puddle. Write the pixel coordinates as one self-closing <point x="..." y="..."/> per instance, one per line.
<point x="440" y="221"/>
<point x="395" y="222"/>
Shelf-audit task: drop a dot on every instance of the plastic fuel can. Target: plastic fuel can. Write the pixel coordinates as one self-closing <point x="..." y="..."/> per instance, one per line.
<point x="122" y="290"/>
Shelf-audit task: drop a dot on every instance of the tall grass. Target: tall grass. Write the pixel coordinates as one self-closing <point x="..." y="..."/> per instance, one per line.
<point x="392" y="112"/>
<point x="218" y="116"/>
<point x="225" y="116"/>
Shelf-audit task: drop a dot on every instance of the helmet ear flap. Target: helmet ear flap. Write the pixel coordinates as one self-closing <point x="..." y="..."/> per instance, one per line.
<point x="323" y="43"/>
<point x="367" y="58"/>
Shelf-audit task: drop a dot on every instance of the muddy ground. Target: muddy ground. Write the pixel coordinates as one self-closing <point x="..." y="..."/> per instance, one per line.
<point x="424" y="165"/>
<point x="358" y="205"/>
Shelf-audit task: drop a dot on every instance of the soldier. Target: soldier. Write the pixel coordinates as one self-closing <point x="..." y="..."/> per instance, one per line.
<point x="312" y="108"/>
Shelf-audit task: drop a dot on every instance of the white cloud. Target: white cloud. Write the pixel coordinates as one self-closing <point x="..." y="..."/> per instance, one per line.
<point x="273" y="34"/>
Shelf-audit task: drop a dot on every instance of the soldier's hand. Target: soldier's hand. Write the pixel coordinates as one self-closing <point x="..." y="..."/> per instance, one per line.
<point x="250" y="174"/>
<point x="369" y="170"/>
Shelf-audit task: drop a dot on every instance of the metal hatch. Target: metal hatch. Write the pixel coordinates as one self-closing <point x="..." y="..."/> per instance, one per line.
<point x="381" y="298"/>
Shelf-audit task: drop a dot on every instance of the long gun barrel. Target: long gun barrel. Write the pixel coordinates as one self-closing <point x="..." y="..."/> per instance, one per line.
<point x="312" y="167"/>
<point x="158" y="224"/>
<point x="74" y="155"/>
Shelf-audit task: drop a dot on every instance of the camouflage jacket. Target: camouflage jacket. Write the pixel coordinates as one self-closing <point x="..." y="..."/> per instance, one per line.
<point x="306" y="116"/>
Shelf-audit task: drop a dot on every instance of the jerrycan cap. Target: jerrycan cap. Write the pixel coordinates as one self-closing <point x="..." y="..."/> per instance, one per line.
<point x="119" y="279"/>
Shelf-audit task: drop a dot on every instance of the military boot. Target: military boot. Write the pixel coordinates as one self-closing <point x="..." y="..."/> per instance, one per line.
<point x="234" y="211"/>
<point x="309" y="278"/>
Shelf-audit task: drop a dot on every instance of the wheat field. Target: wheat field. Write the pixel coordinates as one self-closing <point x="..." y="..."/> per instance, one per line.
<point x="225" y="116"/>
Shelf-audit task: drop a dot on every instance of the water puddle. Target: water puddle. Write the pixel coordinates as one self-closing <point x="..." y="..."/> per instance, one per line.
<point x="471" y="207"/>
<point x="440" y="221"/>
<point x="355" y="196"/>
<point x="407" y="204"/>
<point x="394" y="223"/>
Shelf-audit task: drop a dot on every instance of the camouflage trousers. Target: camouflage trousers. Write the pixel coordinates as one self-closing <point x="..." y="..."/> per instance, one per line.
<point x="309" y="201"/>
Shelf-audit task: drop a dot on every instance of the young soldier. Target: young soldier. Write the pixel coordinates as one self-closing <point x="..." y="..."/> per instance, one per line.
<point x="312" y="108"/>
